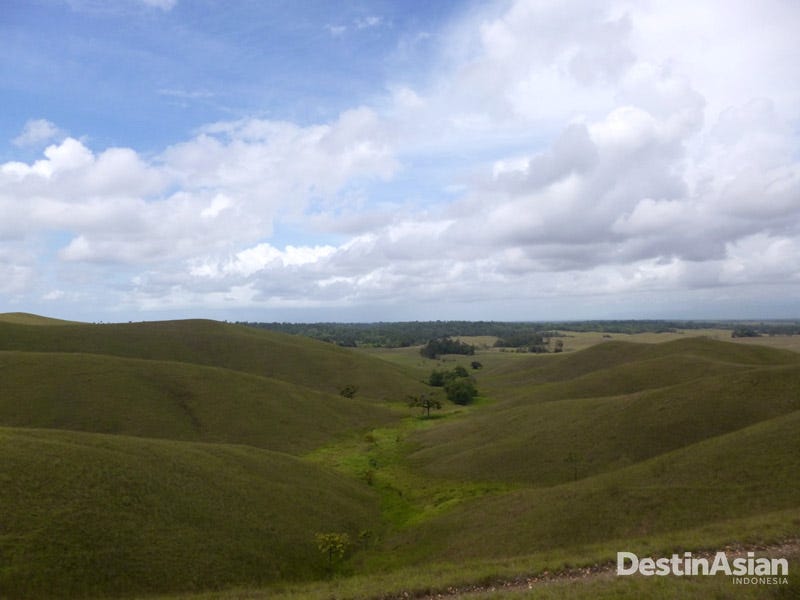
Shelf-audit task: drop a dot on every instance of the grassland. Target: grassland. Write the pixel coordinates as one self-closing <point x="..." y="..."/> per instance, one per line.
<point x="198" y="499"/>
<point x="88" y="514"/>
<point x="173" y="400"/>
<point x="311" y="364"/>
<point x="741" y="474"/>
<point x="585" y="418"/>
<point x="196" y="457"/>
<point x="20" y="318"/>
<point x="581" y="574"/>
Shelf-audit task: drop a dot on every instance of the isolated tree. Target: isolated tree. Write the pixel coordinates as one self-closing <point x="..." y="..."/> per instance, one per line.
<point x="476" y="365"/>
<point x="333" y="545"/>
<point x="426" y="402"/>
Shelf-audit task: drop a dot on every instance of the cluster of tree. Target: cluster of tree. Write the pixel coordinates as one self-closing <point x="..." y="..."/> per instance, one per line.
<point x="445" y="345"/>
<point x="744" y="332"/>
<point x="415" y="333"/>
<point x="537" y="343"/>
<point x="460" y="391"/>
<point x="523" y="339"/>
<point x="440" y="378"/>
<point x="457" y="384"/>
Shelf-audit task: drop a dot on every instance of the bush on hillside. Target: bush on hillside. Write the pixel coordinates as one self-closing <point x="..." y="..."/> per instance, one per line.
<point x="442" y="378"/>
<point x="348" y="391"/>
<point x="460" y="391"/>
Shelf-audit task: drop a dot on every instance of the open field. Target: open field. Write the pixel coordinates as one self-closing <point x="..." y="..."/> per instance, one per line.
<point x="87" y="515"/>
<point x="29" y="319"/>
<point x="293" y="359"/>
<point x="580" y="340"/>
<point x="195" y="457"/>
<point x="173" y="400"/>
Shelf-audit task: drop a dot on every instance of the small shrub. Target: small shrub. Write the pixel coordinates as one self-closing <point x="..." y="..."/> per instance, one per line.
<point x="437" y="379"/>
<point x="348" y="391"/>
<point x="333" y="545"/>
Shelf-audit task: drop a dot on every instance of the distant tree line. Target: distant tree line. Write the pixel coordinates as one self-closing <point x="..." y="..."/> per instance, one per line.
<point x="417" y="333"/>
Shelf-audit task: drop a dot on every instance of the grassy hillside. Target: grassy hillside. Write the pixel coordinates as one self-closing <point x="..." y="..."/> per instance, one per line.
<point x="745" y="473"/>
<point x="546" y="443"/>
<point x="564" y="459"/>
<point x="87" y="514"/>
<point x="180" y="401"/>
<point x="670" y="361"/>
<point x="297" y="360"/>
<point x="651" y="399"/>
<point x="20" y="318"/>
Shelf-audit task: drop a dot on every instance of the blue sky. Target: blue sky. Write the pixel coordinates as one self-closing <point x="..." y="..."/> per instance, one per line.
<point x="130" y="73"/>
<point x="377" y="160"/>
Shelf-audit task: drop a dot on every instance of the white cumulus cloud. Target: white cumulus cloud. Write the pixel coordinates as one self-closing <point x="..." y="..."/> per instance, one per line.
<point x="556" y="150"/>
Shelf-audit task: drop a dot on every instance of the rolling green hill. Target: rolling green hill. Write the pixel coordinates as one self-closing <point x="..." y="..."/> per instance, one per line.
<point x="748" y="473"/>
<point x="619" y="441"/>
<point x="29" y="319"/>
<point x="518" y="375"/>
<point x="185" y="456"/>
<point x="301" y="361"/>
<point x="180" y="401"/>
<point x="549" y="442"/>
<point x="83" y="514"/>
<point x="96" y="515"/>
<point x="557" y="417"/>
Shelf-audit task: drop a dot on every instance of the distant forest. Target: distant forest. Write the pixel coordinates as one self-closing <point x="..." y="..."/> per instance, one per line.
<point x="415" y="333"/>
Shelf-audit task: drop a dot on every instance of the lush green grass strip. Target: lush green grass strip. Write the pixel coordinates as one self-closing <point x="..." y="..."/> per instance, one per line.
<point x="408" y="496"/>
